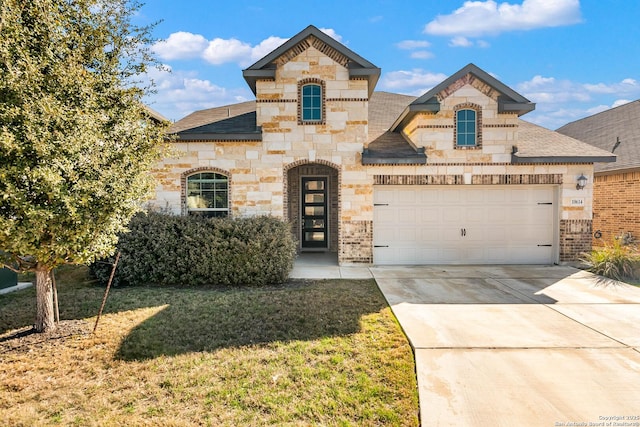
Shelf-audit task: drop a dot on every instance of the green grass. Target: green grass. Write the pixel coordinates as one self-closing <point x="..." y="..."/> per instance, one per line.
<point x="301" y="353"/>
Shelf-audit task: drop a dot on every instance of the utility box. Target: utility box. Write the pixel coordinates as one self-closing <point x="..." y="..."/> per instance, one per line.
<point x="7" y="278"/>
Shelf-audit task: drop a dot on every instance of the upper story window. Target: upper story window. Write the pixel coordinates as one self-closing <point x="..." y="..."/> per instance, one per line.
<point x="311" y="101"/>
<point x="466" y="128"/>
<point x="208" y="194"/>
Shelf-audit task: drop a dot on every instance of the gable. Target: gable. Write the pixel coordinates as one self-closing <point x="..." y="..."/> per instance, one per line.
<point x="509" y="101"/>
<point x="357" y="66"/>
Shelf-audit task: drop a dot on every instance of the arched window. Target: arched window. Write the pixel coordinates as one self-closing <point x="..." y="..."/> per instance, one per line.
<point x="466" y="128"/>
<point x="311" y="100"/>
<point x="208" y="194"/>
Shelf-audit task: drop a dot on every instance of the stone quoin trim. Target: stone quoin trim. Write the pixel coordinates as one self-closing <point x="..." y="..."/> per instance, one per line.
<point x="183" y="185"/>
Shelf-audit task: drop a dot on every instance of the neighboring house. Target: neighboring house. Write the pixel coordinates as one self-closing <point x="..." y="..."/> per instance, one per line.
<point x="616" y="193"/>
<point x="453" y="176"/>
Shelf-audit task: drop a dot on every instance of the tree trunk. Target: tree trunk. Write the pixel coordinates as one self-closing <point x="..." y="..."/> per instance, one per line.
<point x="45" y="321"/>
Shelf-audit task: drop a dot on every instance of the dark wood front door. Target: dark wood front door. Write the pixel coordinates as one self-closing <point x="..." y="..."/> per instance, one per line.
<point x="314" y="212"/>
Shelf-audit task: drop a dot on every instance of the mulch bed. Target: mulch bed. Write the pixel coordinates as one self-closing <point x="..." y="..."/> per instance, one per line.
<point x="24" y="339"/>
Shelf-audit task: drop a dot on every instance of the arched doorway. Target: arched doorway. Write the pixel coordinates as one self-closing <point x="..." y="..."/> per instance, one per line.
<point x="312" y="205"/>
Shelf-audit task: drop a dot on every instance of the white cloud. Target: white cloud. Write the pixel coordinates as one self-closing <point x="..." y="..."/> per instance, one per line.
<point x="562" y="101"/>
<point x="180" y="93"/>
<point x="331" y="33"/>
<point x="221" y="51"/>
<point x="422" y="54"/>
<point x="626" y="86"/>
<point x="477" y="18"/>
<point x="549" y="90"/>
<point x="185" y="45"/>
<point x="180" y="45"/>
<point x="265" y="47"/>
<point x="412" y="44"/>
<point x="620" y="102"/>
<point x="414" y="82"/>
<point x="460" y="41"/>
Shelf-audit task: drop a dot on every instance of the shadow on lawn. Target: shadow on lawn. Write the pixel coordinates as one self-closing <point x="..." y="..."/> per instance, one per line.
<point x="207" y="320"/>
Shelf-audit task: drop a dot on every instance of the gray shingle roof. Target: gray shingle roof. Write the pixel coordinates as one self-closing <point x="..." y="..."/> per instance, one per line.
<point x="385" y="146"/>
<point x="237" y="128"/>
<point x="540" y="145"/>
<point x="535" y="144"/>
<point x="602" y="130"/>
<point x="212" y="115"/>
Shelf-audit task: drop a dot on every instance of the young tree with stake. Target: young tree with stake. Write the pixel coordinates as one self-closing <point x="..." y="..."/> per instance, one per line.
<point x="76" y="143"/>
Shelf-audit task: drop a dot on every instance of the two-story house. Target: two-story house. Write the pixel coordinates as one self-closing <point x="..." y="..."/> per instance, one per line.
<point x="454" y="176"/>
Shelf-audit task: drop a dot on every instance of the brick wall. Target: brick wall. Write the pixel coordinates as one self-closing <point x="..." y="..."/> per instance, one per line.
<point x="616" y="206"/>
<point x="575" y="238"/>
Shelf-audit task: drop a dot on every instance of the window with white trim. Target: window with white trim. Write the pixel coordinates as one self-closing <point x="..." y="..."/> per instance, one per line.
<point x="208" y="194"/>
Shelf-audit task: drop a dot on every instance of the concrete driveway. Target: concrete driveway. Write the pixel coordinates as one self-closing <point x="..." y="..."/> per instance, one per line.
<point x="519" y="345"/>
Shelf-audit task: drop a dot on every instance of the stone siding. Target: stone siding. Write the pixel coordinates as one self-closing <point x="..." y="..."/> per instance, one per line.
<point x="357" y="242"/>
<point x="265" y="174"/>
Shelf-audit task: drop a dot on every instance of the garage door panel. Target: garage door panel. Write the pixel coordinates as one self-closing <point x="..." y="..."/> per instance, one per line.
<point x="465" y="224"/>
<point x="496" y="196"/>
<point x="428" y="197"/>
<point x="383" y="196"/>
<point x="451" y="196"/>
<point x="407" y="215"/>
<point x="407" y="197"/>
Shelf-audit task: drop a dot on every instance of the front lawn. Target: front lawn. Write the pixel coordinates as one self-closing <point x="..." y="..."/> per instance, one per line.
<point x="302" y="353"/>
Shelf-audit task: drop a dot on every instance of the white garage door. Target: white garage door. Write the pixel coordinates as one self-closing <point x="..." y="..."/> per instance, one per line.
<point x="464" y="225"/>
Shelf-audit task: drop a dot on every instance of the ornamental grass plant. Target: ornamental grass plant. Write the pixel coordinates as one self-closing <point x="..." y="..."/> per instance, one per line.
<point x="615" y="260"/>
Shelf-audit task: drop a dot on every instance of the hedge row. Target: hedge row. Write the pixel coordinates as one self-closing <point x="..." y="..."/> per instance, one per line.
<point x="163" y="249"/>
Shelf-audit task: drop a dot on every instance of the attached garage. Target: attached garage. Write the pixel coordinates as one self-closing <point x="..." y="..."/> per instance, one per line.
<point x="465" y="224"/>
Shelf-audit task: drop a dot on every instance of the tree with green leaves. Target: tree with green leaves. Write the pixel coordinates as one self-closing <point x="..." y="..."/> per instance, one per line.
<point x="76" y="143"/>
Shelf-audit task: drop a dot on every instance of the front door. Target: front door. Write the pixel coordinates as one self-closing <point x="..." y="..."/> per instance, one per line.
<point x="314" y="212"/>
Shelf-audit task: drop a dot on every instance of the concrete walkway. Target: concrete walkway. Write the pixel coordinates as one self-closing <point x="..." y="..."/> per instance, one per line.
<point x="312" y="265"/>
<point x="513" y="345"/>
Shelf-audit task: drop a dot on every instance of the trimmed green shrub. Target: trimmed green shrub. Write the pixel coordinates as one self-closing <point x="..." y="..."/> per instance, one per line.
<point x="615" y="261"/>
<point x="163" y="249"/>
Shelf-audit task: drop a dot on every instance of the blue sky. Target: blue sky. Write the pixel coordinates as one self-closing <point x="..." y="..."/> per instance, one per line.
<point x="572" y="58"/>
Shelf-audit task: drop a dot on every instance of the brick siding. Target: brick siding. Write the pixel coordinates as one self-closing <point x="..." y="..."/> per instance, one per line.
<point x="616" y="206"/>
<point x="575" y="238"/>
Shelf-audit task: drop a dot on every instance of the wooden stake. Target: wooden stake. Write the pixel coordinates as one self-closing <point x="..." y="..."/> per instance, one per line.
<point x="106" y="291"/>
<point x="55" y="297"/>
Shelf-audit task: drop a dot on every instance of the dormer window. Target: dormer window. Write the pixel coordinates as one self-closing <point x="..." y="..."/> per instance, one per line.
<point x="311" y="102"/>
<point x="467" y="127"/>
